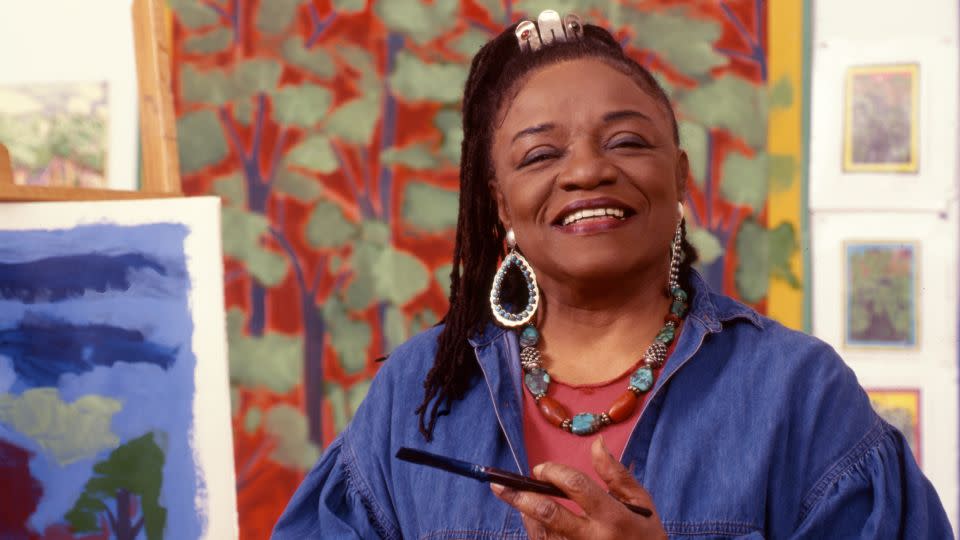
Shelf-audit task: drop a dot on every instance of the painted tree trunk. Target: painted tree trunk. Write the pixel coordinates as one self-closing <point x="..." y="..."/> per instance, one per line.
<point x="314" y="329"/>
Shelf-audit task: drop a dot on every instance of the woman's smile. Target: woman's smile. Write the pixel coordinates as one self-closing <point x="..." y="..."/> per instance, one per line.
<point x="590" y="216"/>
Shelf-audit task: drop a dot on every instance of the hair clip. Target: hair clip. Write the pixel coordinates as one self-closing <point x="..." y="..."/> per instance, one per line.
<point x="548" y="29"/>
<point x="528" y="37"/>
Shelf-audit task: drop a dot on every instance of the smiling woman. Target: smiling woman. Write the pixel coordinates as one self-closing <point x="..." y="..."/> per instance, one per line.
<point x="573" y="180"/>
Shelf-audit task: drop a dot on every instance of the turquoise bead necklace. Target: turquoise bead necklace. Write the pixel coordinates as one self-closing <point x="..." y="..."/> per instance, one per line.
<point x="537" y="380"/>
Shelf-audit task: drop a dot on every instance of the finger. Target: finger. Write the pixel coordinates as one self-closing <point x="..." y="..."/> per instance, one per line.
<point x="620" y="482"/>
<point x="549" y="514"/>
<point x="580" y="488"/>
<point x="534" y="529"/>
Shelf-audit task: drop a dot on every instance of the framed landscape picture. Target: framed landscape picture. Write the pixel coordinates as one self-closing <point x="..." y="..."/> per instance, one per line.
<point x="881" y="119"/>
<point x="68" y="109"/>
<point x="881" y="294"/>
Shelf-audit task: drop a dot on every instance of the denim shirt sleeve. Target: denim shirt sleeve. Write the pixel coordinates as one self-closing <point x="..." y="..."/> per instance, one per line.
<point x="334" y="501"/>
<point x="876" y="491"/>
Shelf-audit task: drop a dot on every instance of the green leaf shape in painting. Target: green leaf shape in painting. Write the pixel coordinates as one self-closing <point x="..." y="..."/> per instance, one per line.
<point x="782" y="169"/>
<point x="782" y="240"/>
<point x="273" y="361"/>
<point x="274" y="16"/>
<point x="731" y="103"/>
<point x="494" y="9"/>
<point x="301" y="105"/>
<point x="761" y="254"/>
<point x="355" y="120"/>
<point x="201" y="141"/>
<point x="133" y="470"/>
<point x="694" y="141"/>
<point x="394" y="328"/>
<point x="470" y="42"/>
<point x="423" y="320"/>
<point x="349" y="6"/>
<point x="255" y="76"/>
<point x="685" y="42"/>
<point x="68" y="432"/>
<point x="231" y="189"/>
<point x="349" y="337"/>
<point x="314" y="153"/>
<point x="210" y="86"/>
<point x="360" y="292"/>
<point x="416" y="80"/>
<point x="316" y="61"/>
<point x="430" y="208"/>
<point x="448" y="121"/>
<point x="193" y="14"/>
<point x="399" y="276"/>
<point x="242" y="240"/>
<point x="337" y="399"/>
<point x="328" y="227"/>
<point x="708" y="247"/>
<point x="214" y="41"/>
<point x="375" y="231"/>
<point x="415" y="156"/>
<point x="442" y="275"/>
<point x="359" y="60"/>
<point x="745" y="180"/>
<point x="252" y="421"/>
<point x="235" y="400"/>
<point x="355" y="395"/>
<point x="753" y="261"/>
<point x="420" y="20"/>
<point x="296" y="185"/>
<point x="580" y="7"/>
<point x="781" y="94"/>
<point x="287" y="426"/>
<point x="243" y="111"/>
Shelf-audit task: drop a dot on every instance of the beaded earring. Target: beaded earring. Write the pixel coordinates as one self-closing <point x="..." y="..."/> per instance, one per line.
<point x="503" y="315"/>
<point x="676" y="253"/>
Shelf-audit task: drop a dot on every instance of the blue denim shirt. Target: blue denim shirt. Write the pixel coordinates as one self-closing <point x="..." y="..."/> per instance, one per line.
<point x="751" y="431"/>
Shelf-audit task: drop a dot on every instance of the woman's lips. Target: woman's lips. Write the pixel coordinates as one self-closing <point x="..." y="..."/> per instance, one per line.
<point x="594" y="225"/>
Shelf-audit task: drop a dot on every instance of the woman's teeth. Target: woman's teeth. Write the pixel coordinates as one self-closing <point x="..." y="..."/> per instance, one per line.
<point x="591" y="213"/>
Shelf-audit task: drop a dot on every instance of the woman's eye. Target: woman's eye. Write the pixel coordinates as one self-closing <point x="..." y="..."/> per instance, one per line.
<point x="628" y="142"/>
<point x="537" y="156"/>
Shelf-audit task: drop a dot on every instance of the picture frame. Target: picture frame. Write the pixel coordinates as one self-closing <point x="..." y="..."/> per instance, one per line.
<point x="881" y="117"/>
<point x="140" y="77"/>
<point x="881" y="294"/>
<point x="901" y="408"/>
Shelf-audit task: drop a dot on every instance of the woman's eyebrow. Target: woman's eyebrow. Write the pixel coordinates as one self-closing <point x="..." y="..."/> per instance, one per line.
<point x="539" y="128"/>
<point x="624" y="113"/>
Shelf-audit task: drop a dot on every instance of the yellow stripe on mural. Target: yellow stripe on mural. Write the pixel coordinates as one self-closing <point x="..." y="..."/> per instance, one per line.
<point x="785" y="138"/>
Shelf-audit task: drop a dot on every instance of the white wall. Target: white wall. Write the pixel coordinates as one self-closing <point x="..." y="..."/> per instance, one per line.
<point x="917" y="207"/>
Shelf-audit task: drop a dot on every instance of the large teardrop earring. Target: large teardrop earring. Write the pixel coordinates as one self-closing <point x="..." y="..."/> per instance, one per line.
<point x="504" y="316"/>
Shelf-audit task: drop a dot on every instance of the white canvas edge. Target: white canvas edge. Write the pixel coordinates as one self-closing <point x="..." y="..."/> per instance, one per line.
<point x="938" y="423"/>
<point x="934" y="233"/>
<point x="212" y="433"/>
<point x="934" y="183"/>
<point x="70" y="52"/>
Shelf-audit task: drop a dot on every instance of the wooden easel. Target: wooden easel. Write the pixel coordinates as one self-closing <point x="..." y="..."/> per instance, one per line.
<point x="158" y="133"/>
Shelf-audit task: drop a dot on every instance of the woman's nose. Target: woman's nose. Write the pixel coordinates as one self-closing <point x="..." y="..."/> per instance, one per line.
<point x="586" y="167"/>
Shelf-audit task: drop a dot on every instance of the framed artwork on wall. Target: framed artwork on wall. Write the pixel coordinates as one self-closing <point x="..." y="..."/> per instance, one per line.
<point x="881" y="294"/>
<point x="881" y="132"/>
<point x="901" y="408"/>
<point x="68" y="110"/>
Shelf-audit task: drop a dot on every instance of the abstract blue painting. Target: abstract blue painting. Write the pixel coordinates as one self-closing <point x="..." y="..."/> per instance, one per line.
<point x="98" y="381"/>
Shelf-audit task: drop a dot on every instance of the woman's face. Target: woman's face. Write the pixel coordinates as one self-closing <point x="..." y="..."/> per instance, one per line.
<point x="587" y="174"/>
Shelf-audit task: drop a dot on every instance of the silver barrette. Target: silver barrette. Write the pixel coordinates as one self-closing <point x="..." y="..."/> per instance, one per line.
<point x="549" y="28"/>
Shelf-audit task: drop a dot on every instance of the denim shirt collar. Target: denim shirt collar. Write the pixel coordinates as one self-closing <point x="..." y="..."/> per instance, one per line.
<point x="498" y="353"/>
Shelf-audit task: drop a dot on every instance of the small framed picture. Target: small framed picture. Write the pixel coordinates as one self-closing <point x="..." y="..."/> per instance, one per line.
<point x="901" y="409"/>
<point x="881" y="294"/>
<point x="881" y="117"/>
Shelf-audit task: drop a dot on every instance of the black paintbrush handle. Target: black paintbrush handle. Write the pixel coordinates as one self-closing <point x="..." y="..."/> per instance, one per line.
<point x="525" y="483"/>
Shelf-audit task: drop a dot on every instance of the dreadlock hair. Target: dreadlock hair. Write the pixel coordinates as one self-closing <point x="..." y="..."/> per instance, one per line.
<point x="496" y="74"/>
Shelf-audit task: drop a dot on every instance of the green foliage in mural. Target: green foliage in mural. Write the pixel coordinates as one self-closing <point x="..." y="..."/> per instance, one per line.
<point x="764" y="252"/>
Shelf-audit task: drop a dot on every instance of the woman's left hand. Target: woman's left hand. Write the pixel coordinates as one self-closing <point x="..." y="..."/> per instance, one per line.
<point x="604" y="515"/>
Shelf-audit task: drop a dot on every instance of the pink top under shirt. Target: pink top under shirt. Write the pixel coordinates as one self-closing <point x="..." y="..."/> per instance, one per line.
<point x="546" y="442"/>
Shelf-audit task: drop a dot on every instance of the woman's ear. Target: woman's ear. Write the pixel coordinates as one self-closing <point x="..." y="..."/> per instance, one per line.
<point x="683" y="172"/>
<point x="502" y="212"/>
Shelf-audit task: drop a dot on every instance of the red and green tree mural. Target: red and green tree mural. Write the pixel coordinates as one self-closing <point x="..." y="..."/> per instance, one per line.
<point x="331" y="130"/>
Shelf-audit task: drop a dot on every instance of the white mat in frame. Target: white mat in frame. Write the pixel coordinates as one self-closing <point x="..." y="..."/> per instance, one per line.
<point x="932" y="240"/>
<point x="934" y="182"/>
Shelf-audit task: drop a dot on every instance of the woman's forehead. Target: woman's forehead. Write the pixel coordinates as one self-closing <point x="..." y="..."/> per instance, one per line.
<point x="576" y="89"/>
